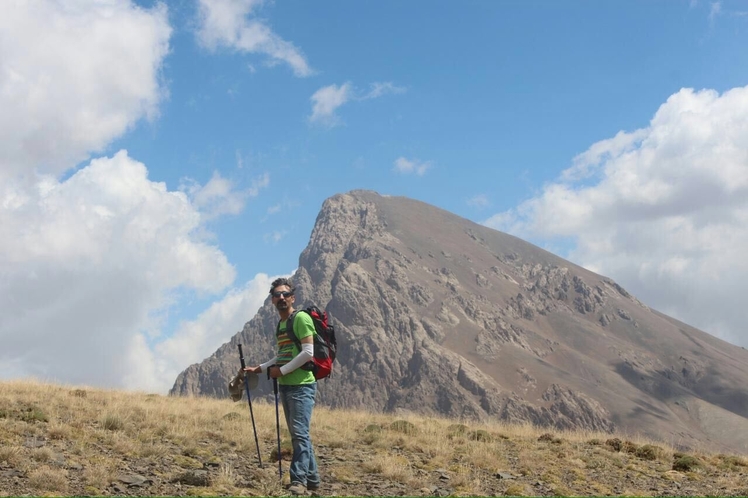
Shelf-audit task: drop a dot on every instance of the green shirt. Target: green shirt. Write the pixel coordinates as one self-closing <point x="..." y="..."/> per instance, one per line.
<point x="287" y="350"/>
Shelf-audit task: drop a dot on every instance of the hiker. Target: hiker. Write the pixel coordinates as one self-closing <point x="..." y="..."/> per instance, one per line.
<point x="297" y="386"/>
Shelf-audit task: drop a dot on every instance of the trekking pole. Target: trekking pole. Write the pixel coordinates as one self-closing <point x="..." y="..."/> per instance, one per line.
<point x="249" y="398"/>
<point x="277" y="426"/>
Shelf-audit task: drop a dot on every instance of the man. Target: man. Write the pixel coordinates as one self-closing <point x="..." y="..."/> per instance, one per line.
<point x="297" y="386"/>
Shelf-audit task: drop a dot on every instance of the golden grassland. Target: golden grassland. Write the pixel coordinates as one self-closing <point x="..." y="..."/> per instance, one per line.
<point x="62" y="440"/>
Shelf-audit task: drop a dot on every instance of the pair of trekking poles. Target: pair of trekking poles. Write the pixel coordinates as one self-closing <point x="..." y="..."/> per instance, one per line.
<point x="252" y="415"/>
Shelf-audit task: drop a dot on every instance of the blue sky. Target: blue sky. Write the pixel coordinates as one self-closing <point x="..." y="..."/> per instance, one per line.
<point x="162" y="161"/>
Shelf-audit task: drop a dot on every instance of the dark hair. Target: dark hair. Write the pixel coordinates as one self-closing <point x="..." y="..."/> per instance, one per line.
<point x="282" y="281"/>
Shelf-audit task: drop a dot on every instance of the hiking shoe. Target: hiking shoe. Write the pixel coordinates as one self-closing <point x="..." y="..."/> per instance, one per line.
<point x="297" y="489"/>
<point x="312" y="486"/>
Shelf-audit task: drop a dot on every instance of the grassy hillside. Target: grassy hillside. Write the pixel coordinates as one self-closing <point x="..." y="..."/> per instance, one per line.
<point x="62" y="440"/>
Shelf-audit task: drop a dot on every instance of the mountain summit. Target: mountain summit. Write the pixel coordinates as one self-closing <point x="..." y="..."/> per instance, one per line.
<point x="436" y="314"/>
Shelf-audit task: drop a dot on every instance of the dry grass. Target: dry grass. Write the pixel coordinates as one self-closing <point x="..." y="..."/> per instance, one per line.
<point x="85" y="441"/>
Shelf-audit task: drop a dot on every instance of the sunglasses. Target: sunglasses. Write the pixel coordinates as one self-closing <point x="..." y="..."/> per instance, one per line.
<point x="282" y="293"/>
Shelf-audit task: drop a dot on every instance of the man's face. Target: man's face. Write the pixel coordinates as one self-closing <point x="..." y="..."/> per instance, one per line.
<point x="282" y="297"/>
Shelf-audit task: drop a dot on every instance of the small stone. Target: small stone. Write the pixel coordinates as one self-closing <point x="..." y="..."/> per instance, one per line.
<point x="118" y="489"/>
<point x="193" y="478"/>
<point x="134" y="480"/>
<point x="34" y="443"/>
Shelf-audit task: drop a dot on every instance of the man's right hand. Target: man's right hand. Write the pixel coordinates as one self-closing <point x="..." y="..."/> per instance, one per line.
<point x="254" y="370"/>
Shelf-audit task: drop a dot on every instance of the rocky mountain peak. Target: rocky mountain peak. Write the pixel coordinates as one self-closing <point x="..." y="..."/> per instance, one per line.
<point x="438" y="315"/>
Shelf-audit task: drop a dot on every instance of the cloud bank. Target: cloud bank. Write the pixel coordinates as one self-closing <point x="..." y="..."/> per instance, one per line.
<point x="91" y="265"/>
<point x="663" y="210"/>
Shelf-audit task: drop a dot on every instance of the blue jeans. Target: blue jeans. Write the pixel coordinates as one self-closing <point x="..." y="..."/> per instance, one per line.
<point x="298" y="402"/>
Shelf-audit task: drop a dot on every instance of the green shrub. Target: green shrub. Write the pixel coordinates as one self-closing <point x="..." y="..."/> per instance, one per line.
<point x="403" y="426"/>
<point x="113" y="423"/>
<point x="614" y="444"/>
<point x="629" y="447"/>
<point x="34" y="414"/>
<point x="371" y="438"/>
<point x="648" y="452"/>
<point x="480" y="435"/>
<point x="732" y="462"/>
<point x="686" y="463"/>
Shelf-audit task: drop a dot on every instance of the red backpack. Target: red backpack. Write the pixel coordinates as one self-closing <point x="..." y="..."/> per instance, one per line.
<point x="325" y="344"/>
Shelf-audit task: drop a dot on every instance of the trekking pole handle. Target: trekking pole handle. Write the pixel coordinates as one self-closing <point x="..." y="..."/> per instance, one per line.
<point x="275" y="381"/>
<point x="241" y="356"/>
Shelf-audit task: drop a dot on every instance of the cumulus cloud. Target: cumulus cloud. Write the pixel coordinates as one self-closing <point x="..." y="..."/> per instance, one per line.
<point x="411" y="166"/>
<point x="219" y="196"/>
<point x="86" y="262"/>
<point x="74" y="76"/>
<point x="229" y="23"/>
<point x="328" y="99"/>
<point x="663" y="210"/>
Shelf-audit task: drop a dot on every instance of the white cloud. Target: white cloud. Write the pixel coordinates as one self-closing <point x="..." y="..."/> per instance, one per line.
<point x="73" y="76"/>
<point x="275" y="236"/>
<point x="479" y="201"/>
<point x="378" y="89"/>
<point x="663" y="210"/>
<point x="219" y="196"/>
<point x="156" y="367"/>
<point x="326" y="100"/>
<point x="86" y="263"/>
<point x="411" y="166"/>
<point x="229" y="23"/>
